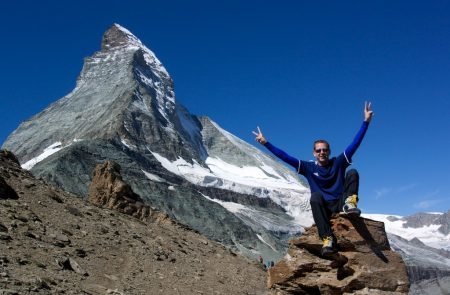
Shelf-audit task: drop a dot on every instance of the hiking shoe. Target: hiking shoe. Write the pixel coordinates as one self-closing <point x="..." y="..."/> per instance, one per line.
<point x="328" y="247"/>
<point x="350" y="205"/>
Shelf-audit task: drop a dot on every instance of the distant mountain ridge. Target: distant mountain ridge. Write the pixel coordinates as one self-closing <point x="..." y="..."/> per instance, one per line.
<point x="426" y="219"/>
<point x="428" y="228"/>
<point x="123" y="109"/>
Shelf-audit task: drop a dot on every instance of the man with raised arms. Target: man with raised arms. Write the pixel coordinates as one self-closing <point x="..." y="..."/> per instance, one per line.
<point x="333" y="189"/>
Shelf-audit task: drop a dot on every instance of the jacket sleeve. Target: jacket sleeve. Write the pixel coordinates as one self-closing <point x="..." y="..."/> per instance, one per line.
<point x="282" y="155"/>
<point x="351" y="149"/>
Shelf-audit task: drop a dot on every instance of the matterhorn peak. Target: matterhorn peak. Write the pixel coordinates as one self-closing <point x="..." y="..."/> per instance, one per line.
<point x="117" y="36"/>
<point x="123" y="109"/>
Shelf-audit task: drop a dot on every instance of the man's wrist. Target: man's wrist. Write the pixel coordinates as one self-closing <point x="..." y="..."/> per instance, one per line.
<point x="262" y="141"/>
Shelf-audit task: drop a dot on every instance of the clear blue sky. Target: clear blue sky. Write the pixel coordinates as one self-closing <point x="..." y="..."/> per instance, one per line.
<point x="301" y="70"/>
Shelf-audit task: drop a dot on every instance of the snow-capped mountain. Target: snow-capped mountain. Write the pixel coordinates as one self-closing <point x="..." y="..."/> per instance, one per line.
<point x="123" y="108"/>
<point x="233" y="164"/>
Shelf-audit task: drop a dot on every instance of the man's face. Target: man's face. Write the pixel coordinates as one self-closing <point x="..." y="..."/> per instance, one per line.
<point x="321" y="153"/>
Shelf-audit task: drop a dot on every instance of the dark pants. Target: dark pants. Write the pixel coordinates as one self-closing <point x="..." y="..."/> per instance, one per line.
<point x="322" y="210"/>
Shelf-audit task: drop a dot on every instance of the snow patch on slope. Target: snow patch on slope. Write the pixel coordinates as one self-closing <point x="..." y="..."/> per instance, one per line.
<point x="230" y="206"/>
<point x="153" y="177"/>
<point x="262" y="240"/>
<point x="250" y="175"/>
<point x="48" y="151"/>
<point x="194" y="172"/>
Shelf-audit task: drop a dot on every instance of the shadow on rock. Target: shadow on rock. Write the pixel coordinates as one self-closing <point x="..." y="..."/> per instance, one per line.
<point x="361" y="227"/>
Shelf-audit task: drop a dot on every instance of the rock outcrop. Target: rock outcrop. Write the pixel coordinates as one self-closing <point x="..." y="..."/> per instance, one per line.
<point x="365" y="264"/>
<point x="108" y="190"/>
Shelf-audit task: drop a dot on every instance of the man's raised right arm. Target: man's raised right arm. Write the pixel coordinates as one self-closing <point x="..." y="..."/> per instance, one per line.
<point x="276" y="151"/>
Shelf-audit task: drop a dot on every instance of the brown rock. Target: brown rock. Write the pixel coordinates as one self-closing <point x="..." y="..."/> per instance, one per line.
<point x="364" y="263"/>
<point x="108" y="190"/>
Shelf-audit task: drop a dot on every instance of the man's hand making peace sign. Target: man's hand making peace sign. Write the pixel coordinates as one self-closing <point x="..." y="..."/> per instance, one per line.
<point x="259" y="136"/>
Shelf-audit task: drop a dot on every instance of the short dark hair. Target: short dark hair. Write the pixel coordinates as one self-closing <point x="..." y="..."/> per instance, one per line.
<point x="321" y="141"/>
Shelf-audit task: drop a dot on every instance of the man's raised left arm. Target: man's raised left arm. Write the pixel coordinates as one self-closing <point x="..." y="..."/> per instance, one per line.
<point x="351" y="149"/>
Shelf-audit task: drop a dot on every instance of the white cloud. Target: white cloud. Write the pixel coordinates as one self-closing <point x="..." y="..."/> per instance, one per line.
<point x="429" y="200"/>
<point x="426" y="204"/>
<point x="381" y="192"/>
<point x="432" y="194"/>
<point x="407" y="187"/>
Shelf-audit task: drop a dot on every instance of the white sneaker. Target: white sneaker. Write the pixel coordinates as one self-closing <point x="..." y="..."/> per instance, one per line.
<point x="350" y="206"/>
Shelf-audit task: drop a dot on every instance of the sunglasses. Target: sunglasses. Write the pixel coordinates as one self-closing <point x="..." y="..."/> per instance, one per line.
<point x="322" y="150"/>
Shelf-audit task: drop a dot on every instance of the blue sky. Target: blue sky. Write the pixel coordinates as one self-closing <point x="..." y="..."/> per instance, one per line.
<point x="301" y="70"/>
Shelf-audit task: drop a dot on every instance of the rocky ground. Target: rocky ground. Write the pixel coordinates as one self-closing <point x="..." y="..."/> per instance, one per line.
<point x="53" y="242"/>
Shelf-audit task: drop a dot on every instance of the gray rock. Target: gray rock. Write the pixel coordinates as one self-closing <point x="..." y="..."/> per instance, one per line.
<point x="3" y="228"/>
<point x="77" y="268"/>
<point x="67" y="263"/>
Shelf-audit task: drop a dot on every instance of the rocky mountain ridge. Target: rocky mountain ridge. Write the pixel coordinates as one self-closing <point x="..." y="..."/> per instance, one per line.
<point x="425" y="219"/>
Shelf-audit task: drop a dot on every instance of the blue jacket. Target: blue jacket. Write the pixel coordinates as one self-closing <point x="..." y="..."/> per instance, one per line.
<point x="328" y="180"/>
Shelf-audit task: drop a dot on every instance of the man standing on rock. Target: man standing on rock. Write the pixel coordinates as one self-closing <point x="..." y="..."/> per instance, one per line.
<point x="332" y="189"/>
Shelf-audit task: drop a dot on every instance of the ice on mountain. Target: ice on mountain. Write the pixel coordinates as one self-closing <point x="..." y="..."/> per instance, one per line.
<point x="48" y="151"/>
<point x="153" y="177"/>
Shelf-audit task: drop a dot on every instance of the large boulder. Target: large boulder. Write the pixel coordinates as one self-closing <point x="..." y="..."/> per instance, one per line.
<point x="108" y="190"/>
<point x="365" y="264"/>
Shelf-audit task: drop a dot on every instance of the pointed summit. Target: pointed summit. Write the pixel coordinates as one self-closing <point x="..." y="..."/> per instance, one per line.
<point x="123" y="94"/>
<point x="124" y="109"/>
<point x="117" y="36"/>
